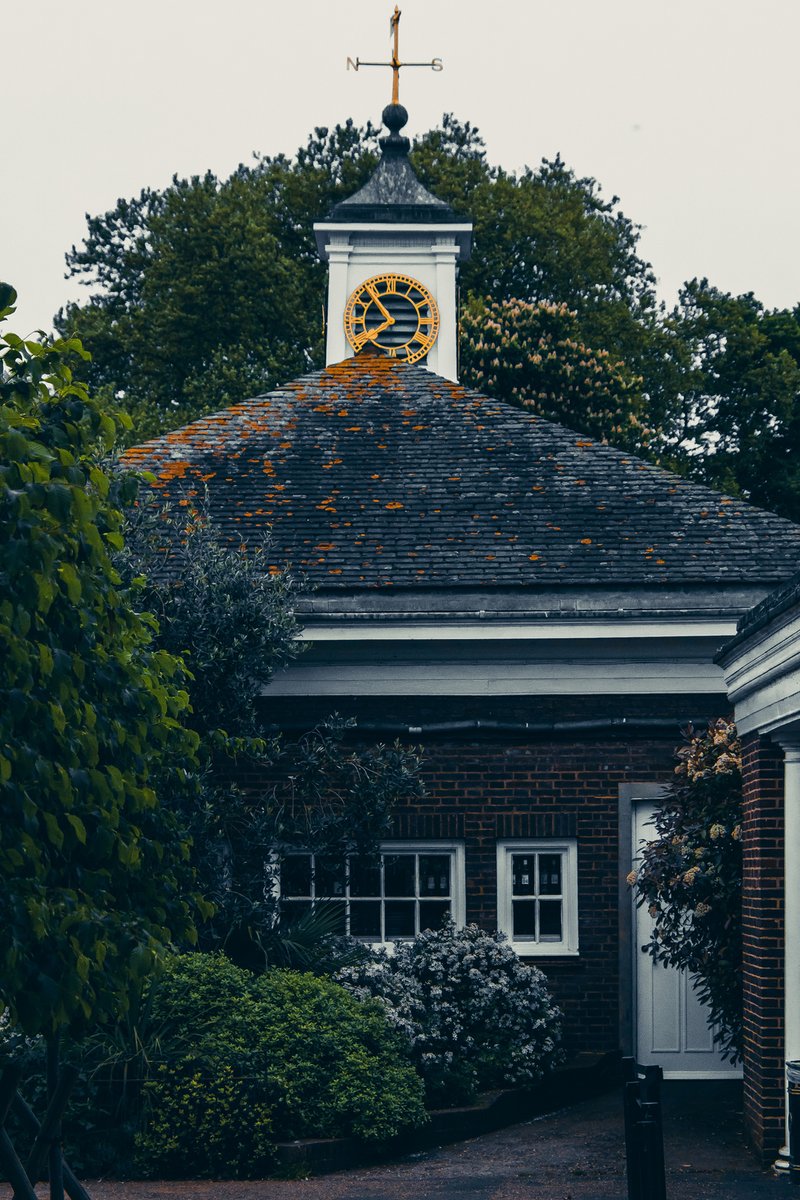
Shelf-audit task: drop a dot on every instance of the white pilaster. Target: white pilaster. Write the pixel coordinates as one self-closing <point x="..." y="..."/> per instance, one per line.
<point x="791" y="908"/>
<point x="339" y="251"/>
<point x="445" y="253"/>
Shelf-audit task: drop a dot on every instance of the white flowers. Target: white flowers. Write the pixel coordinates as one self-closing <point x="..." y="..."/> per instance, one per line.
<point x="475" y="1015"/>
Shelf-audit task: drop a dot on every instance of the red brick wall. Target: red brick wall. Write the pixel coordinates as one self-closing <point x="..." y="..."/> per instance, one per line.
<point x="482" y="791"/>
<point x="762" y="914"/>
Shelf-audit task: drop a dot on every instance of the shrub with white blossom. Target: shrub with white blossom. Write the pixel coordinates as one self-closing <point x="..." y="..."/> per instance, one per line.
<point x="690" y="877"/>
<point x="476" y="1016"/>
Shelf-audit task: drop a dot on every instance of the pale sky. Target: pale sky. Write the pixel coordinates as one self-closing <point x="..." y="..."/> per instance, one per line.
<point x="685" y="109"/>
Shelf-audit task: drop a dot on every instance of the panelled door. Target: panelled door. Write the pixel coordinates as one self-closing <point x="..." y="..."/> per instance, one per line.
<point x="671" y="1024"/>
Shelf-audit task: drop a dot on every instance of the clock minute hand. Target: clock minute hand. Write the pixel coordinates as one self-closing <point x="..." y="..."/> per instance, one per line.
<point x="377" y="300"/>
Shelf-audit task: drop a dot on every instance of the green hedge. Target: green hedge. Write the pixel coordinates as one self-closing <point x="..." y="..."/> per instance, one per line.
<point x="247" y="1061"/>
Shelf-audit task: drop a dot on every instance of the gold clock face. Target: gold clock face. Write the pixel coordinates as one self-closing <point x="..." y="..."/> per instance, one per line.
<point x="394" y="314"/>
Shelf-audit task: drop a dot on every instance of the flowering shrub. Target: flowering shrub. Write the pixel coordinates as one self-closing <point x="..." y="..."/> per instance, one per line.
<point x="476" y="1016"/>
<point x="690" y="877"/>
<point x="247" y="1061"/>
<point x="533" y="355"/>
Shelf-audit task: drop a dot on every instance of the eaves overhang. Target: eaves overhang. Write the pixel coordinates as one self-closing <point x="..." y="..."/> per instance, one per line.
<point x="460" y="231"/>
<point x="761" y="666"/>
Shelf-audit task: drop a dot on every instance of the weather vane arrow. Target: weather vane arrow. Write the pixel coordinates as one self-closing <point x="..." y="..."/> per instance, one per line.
<point x="435" y="64"/>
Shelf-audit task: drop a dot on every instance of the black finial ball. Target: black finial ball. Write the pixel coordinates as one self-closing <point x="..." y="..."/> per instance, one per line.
<point x="395" y="116"/>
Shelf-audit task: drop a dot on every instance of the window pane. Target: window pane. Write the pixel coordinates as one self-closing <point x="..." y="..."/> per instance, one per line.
<point x="328" y="878"/>
<point x="434" y="875"/>
<point x="549" y="874"/>
<point x="432" y="913"/>
<point x="400" y="919"/>
<point x="523" y="867"/>
<point x="550" y="921"/>
<point x="296" y="875"/>
<point x="292" y="910"/>
<point x="365" y="877"/>
<point x="398" y="875"/>
<point x="365" y="919"/>
<point x="524" y="918"/>
<point x="334" y="911"/>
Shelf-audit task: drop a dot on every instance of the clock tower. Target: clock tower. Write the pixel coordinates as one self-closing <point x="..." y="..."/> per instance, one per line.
<point x="393" y="251"/>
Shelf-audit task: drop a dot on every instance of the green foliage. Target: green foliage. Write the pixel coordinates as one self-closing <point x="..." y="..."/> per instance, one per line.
<point x="532" y="355"/>
<point x="691" y="877"/>
<point x="212" y="290"/>
<point x="218" y="606"/>
<point x="278" y="1057"/>
<point x="95" y="869"/>
<point x="234" y="624"/>
<point x="738" y="415"/>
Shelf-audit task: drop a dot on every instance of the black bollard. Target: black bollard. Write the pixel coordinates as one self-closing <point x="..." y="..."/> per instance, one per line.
<point x="793" y="1100"/>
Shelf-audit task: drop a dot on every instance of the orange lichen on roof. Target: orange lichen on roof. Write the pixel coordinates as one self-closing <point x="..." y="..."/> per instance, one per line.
<point x="175" y="469"/>
<point x="394" y="504"/>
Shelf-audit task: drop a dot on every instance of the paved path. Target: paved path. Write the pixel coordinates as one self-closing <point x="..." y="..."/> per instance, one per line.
<point x="577" y="1154"/>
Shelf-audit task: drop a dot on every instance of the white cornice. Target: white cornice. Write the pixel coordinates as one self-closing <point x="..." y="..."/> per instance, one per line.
<point x="762" y="674"/>
<point x="483" y="631"/>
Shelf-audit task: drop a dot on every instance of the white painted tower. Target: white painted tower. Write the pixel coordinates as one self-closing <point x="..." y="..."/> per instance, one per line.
<point x="393" y="251"/>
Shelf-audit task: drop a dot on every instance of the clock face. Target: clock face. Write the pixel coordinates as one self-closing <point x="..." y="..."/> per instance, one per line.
<point x="394" y="314"/>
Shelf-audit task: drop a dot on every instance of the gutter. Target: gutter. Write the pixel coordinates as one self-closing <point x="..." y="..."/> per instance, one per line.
<point x="478" y="725"/>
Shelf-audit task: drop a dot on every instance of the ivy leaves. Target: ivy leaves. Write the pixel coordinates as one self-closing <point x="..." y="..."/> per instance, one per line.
<point x="94" y="871"/>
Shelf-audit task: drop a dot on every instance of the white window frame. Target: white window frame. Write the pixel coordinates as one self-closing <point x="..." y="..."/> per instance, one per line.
<point x="427" y="846"/>
<point x="529" y="947"/>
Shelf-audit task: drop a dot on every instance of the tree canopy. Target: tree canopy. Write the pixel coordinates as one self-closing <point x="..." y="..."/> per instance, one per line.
<point x="736" y="416"/>
<point x="210" y="290"/>
<point x="233" y="623"/>
<point x="96" y="880"/>
<point x="533" y="355"/>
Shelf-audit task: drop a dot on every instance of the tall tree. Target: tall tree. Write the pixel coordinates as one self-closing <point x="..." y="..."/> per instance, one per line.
<point x="737" y="412"/>
<point x="94" y="867"/>
<point x="233" y="622"/>
<point x="533" y="355"/>
<point x="211" y="290"/>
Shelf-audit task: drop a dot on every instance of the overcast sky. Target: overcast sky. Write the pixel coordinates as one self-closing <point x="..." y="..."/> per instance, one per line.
<point x="685" y="109"/>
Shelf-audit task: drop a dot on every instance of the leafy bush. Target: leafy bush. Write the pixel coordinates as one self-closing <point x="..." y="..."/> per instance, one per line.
<point x="690" y="877"/>
<point x="476" y="1016"/>
<point x="249" y="1061"/>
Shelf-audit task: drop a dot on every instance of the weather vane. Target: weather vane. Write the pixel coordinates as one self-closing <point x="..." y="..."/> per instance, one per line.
<point x="435" y="64"/>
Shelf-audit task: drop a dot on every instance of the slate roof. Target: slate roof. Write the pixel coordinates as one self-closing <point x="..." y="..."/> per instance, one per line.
<point x="374" y="473"/>
<point x="393" y="192"/>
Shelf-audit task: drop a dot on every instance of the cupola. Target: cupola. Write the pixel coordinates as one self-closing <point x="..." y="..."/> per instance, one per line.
<point x="393" y="251"/>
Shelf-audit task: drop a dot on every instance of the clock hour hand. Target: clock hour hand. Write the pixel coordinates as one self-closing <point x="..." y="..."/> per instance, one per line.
<point x="369" y="335"/>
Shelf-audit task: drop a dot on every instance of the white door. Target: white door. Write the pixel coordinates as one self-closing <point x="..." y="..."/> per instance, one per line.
<point x="671" y="1024"/>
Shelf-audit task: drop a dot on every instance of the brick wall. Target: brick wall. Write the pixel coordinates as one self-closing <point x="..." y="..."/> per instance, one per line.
<point x="482" y="790"/>
<point x="762" y="914"/>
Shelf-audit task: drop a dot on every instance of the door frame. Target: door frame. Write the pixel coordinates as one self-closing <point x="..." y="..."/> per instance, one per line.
<point x="631" y="797"/>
